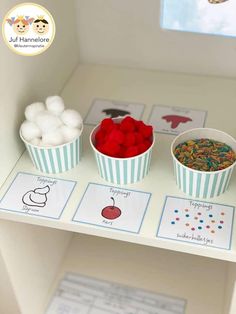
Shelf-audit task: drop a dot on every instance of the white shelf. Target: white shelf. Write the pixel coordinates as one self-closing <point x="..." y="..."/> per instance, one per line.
<point x="198" y="280"/>
<point x="90" y="82"/>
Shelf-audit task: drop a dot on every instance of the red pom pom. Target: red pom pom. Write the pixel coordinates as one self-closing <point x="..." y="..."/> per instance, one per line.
<point x="122" y="152"/>
<point x="100" y="148"/>
<point x="127" y="124"/>
<point x="111" y="149"/>
<point x="129" y="139"/>
<point x="131" y="151"/>
<point x="138" y="137"/>
<point x="100" y="136"/>
<point x="116" y="136"/>
<point x="107" y="125"/>
<point x="147" y="143"/>
<point x="126" y="139"/>
<point x="139" y="124"/>
<point x="147" y="131"/>
<point x="142" y="148"/>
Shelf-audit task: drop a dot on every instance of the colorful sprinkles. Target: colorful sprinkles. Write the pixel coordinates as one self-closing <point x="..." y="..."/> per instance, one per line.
<point x="210" y="225"/>
<point x="205" y="154"/>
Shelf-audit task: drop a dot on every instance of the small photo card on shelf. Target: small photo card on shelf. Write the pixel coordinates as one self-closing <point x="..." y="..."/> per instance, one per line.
<point x="175" y="120"/>
<point x="37" y="195"/>
<point x="104" y="108"/>
<point x="197" y="222"/>
<point x="112" y="207"/>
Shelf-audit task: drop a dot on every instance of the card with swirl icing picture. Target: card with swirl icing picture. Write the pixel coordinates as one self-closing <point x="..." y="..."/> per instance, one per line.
<point x="37" y="195"/>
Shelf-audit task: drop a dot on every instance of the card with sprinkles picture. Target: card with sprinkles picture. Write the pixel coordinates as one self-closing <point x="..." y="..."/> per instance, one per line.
<point x="197" y="222"/>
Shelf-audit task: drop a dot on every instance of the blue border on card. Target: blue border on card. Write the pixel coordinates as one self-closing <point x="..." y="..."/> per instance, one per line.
<point x="29" y="214"/>
<point x="106" y="227"/>
<point x="177" y="107"/>
<point x="192" y="243"/>
<point x="113" y="101"/>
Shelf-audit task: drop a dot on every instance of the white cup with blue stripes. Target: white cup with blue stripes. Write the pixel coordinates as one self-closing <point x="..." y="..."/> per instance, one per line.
<point x="121" y="170"/>
<point x="202" y="184"/>
<point x="55" y="159"/>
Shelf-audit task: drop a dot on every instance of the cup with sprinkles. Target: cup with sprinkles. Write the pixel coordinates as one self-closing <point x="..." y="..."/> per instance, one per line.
<point x="204" y="160"/>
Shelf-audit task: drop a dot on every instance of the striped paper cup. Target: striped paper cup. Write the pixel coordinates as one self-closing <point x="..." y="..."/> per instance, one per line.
<point x="121" y="170"/>
<point x="202" y="184"/>
<point x="55" y="159"/>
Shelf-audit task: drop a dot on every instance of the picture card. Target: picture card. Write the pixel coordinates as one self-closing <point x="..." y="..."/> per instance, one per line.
<point x="112" y="207"/>
<point x="37" y="195"/>
<point x="174" y="120"/>
<point x="78" y="294"/>
<point x="198" y="222"/>
<point x="102" y="108"/>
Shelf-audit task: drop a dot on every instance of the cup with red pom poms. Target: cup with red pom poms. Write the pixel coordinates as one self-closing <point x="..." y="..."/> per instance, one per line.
<point x="123" y="149"/>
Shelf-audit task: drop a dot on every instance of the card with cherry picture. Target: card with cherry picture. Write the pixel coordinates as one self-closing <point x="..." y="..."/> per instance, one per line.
<point x="112" y="207"/>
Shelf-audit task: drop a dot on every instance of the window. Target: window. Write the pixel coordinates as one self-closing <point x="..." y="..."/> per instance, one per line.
<point x="200" y="16"/>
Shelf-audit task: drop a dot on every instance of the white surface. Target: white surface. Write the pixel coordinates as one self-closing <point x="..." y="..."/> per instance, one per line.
<point x="168" y="126"/>
<point x="200" y="281"/>
<point x="131" y="206"/>
<point x="84" y="86"/>
<point x="98" y="110"/>
<point x="8" y="302"/>
<point x="201" y="223"/>
<point x="37" y="195"/>
<point x="128" y="33"/>
<point x="85" y="295"/>
<point x="32" y="256"/>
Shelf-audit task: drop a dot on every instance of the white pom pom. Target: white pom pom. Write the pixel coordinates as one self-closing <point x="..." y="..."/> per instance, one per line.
<point x="72" y="118"/>
<point x="30" y="130"/>
<point x="35" y="141"/>
<point x="69" y="134"/>
<point x="55" y="104"/>
<point x="53" y="138"/>
<point x="47" y="122"/>
<point x="33" y="110"/>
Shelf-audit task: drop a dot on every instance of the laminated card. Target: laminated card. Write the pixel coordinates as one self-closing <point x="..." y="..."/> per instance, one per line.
<point x="102" y="108"/>
<point x="37" y="195"/>
<point x="197" y="222"/>
<point x="174" y="120"/>
<point x="112" y="207"/>
<point x="78" y="294"/>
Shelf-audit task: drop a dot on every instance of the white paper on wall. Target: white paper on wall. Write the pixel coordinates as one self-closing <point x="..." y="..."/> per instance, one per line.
<point x="174" y="120"/>
<point x="102" y="108"/>
<point x="112" y="207"/>
<point x="37" y="195"/>
<point x="197" y="222"/>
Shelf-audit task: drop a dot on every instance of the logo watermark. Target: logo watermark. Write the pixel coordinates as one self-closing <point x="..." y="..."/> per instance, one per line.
<point x="28" y="29"/>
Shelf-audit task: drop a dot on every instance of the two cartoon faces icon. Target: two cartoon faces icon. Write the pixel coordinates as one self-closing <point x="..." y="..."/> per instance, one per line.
<point x="21" y="25"/>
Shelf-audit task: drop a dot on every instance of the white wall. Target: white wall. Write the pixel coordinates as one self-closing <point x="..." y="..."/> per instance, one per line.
<point x="27" y="79"/>
<point x="128" y="33"/>
<point x="32" y="257"/>
<point x="8" y="304"/>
